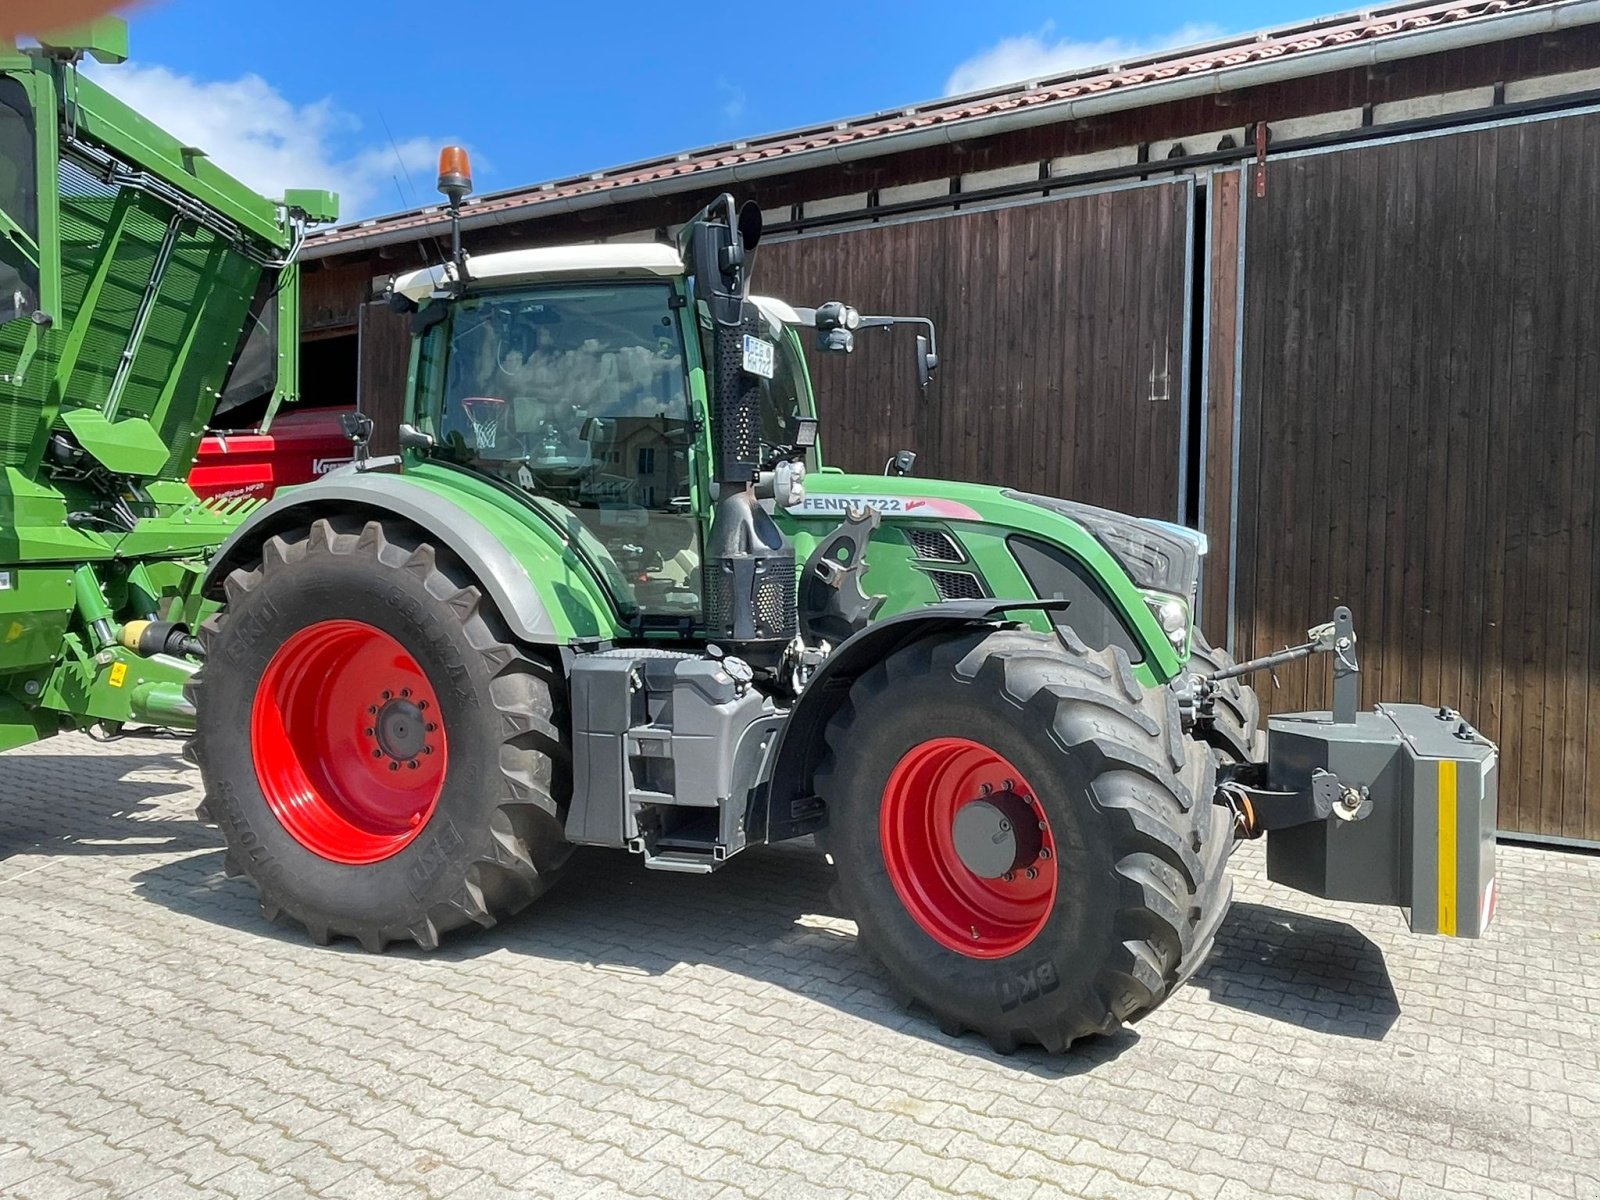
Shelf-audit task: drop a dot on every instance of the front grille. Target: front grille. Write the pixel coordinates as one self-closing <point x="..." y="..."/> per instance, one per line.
<point x="934" y="545"/>
<point x="956" y="585"/>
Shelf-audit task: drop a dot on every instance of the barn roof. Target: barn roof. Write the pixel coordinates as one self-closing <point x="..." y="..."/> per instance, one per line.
<point x="1330" y="43"/>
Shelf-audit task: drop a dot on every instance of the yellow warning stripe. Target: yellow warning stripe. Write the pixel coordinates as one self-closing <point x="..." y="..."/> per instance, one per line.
<point x="1447" y="847"/>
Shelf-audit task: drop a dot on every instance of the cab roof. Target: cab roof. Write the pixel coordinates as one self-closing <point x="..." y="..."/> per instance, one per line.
<point x="621" y="260"/>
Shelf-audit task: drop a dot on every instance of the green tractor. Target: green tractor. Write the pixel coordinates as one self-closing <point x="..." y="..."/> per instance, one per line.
<point x="610" y="594"/>
<point x="140" y="287"/>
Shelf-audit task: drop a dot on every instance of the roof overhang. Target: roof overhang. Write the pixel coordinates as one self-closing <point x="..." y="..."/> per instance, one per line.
<point x="1359" y="40"/>
<point x="613" y="261"/>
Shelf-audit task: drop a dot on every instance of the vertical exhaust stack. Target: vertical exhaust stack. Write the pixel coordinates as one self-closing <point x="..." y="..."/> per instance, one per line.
<point x="750" y="566"/>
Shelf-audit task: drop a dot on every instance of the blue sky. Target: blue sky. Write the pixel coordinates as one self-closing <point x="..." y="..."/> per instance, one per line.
<point x="358" y="96"/>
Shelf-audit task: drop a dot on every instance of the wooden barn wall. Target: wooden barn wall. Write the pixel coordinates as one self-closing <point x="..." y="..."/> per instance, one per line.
<point x="1214" y="457"/>
<point x="385" y="359"/>
<point x="1421" y="391"/>
<point x="1061" y="332"/>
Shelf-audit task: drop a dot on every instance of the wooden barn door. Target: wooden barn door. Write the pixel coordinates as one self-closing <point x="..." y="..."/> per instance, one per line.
<point x="1063" y="332"/>
<point x="385" y="358"/>
<point x="1419" y="402"/>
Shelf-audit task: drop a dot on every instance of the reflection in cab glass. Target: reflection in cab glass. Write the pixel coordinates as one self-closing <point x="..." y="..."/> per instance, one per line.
<point x="579" y="396"/>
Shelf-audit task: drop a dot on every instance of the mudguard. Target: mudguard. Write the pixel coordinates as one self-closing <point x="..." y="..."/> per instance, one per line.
<point x="786" y="807"/>
<point x="500" y="572"/>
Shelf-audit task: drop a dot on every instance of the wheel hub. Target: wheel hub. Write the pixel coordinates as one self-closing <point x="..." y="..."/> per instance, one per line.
<point x="997" y="835"/>
<point x="401" y="728"/>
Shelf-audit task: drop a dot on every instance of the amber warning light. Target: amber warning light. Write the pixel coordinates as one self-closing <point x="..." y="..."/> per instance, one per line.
<point x="455" y="173"/>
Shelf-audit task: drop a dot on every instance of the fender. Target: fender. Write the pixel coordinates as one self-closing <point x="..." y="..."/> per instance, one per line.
<point x="786" y="807"/>
<point x="501" y="573"/>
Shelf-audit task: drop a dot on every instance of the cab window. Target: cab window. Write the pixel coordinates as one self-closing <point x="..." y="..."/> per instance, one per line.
<point x="19" y="204"/>
<point x="579" y="395"/>
<point x="785" y="398"/>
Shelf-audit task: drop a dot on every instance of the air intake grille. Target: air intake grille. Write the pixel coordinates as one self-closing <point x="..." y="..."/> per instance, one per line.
<point x="934" y="545"/>
<point x="772" y="599"/>
<point x="956" y="585"/>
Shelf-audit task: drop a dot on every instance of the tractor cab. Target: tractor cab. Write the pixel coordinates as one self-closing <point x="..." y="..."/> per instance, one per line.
<point x="576" y="378"/>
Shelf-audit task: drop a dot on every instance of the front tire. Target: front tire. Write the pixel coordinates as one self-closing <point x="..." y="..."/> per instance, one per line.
<point x="383" y="761"/>
<point x="1233" y="726"/>
<point x="1024" y="835"/>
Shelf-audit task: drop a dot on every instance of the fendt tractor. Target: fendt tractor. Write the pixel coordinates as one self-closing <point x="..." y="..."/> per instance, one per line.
<point x="609" y="594"/>
<point x="140" y="288"/>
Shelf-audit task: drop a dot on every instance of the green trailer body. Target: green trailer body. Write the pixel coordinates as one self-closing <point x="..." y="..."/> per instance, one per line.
<point x="135" y="277"/>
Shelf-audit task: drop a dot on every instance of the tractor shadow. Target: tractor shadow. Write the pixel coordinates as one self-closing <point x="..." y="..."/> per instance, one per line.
<point x="104" y="803"/>
<point x="766" y="916"/>
<point x="1322" y="975"/>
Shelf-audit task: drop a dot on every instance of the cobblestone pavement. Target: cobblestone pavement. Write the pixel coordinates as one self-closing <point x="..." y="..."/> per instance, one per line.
<point x="656" y="1035"/>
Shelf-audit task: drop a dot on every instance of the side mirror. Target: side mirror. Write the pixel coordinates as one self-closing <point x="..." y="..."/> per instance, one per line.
<point x="412" y="438"/>
<point x="927" y="362"/>
<point x="750" y="225"/>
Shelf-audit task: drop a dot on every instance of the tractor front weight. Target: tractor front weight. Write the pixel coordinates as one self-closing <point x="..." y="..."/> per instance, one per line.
<point x="1394" y="806"/>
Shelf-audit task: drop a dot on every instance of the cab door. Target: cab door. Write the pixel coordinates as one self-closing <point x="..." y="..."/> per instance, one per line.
<point x="27" y="257"/>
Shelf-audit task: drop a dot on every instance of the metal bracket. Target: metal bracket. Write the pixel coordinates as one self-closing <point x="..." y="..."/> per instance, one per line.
<point x="1257" y="808"/>
<point x="1346" y="668"/>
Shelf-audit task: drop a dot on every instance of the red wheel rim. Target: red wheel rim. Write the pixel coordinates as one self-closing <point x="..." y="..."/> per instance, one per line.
<point x="966" y="911"/>
<point x="348" y="742"/>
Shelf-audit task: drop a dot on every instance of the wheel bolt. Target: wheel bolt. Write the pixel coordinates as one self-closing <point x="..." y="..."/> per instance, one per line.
<point x="432" y="727"/>
<point x="1033" y="872"/>
<point x="985" y="788"/>
<point x="1043" y="826"/>
<point x="1009" y="877"/>
<point x="371" y="731"/>
<point x="427" y="749"/>
<point x="412" y="764"/>
<point x="377" y="754"/>
<point x="388" y="695"/>
<point x="372" y="710"/>
<point x="422" y="704"/>
<point x="1009" y="785"/>
<point x="393" y="765"/>
<point x="1044" y="852"/>
<point x="405" y="693"/>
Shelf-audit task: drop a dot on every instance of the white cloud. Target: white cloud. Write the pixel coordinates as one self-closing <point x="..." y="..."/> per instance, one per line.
<point x="252" y="131"/>
<point x="733" y="100"/>
<point x="1036" y="55"/>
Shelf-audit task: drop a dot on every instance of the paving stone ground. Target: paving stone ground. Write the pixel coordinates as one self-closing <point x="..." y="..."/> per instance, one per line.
<point x="651" y="1035"/>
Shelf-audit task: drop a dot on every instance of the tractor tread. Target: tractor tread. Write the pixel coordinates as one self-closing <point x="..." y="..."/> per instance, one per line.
<point x="519" y="851"/>
<point x="1149" y="788"/>
<point x="1233" y="728"/>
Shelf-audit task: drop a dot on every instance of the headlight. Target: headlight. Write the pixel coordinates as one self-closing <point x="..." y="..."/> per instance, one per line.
<point x="1172" y="614"/>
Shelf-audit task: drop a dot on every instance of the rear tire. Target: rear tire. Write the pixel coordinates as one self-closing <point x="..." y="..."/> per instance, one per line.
<point x="1124" y="908"/>
<point x="436" y="806"/>
<point x="1233" y="728"/>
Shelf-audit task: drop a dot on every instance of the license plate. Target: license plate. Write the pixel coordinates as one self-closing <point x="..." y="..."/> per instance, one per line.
<point x="759" y="357"/>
